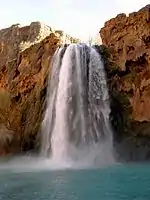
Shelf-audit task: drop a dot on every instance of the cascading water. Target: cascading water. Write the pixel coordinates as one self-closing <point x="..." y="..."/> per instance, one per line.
<point x="76" y="122"/>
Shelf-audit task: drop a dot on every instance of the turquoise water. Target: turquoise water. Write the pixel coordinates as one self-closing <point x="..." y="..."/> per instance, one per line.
<point x="109" y="183"/>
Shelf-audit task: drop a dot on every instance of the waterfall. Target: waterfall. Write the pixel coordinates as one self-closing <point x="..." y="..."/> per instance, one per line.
<point x="76" y="122"/>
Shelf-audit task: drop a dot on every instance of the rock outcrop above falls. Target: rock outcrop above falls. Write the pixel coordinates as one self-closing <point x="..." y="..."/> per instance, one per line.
<point x="127" y="41"/>
<point x="16" y="38"/>
<point x="65" y="38"/>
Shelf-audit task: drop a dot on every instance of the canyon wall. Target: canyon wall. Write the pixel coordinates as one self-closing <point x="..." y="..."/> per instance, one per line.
<point x="25" y="56"/>
<point x="16" y="39"/>
<point x="126" y="41"/>
<point x="23" y="81"/>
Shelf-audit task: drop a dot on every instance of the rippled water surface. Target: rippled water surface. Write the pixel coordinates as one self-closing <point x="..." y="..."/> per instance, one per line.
<point x="110" y="183"/>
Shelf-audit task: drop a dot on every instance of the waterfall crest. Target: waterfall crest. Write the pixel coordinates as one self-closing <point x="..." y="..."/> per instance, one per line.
<point x="76" y="122"/>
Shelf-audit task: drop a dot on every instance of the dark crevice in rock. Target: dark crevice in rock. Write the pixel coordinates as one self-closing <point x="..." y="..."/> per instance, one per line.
<point x="146" y="40"/>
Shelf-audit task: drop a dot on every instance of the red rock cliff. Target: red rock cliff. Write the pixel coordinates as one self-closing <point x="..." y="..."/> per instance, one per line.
<point x="128" y="41"/>
<point x="22" y="89"/>
<point x="25" y="56"/>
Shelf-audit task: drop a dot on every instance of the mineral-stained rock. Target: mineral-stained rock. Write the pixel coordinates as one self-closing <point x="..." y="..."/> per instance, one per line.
<point x="15" y="39"/>
<point x="23" y="80"/>
<point x="25" y="56"/>
<point x="127" y="39"/>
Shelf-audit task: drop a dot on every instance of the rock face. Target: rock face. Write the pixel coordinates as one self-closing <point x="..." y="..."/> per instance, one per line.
<point x="23" y="78"/>
<point x="65" y="38"/>
<point x="127" y="39"/>
<point x="15" y="39"/>
<point x="25" y="55"/>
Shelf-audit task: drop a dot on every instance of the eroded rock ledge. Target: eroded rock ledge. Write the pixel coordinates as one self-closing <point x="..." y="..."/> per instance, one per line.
<point x="127" y="42"/>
